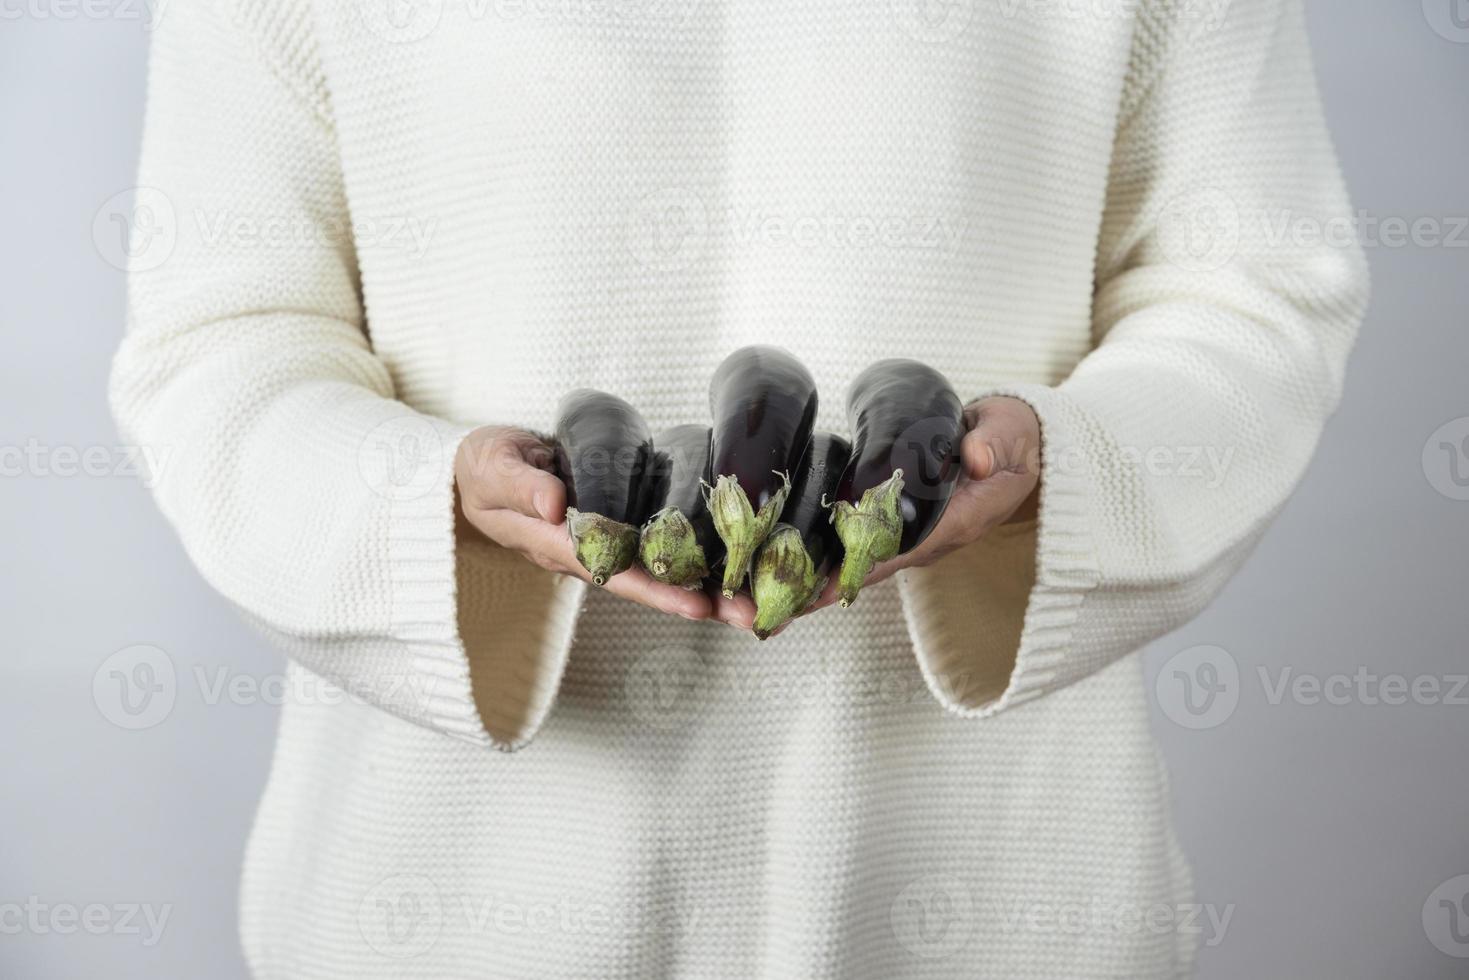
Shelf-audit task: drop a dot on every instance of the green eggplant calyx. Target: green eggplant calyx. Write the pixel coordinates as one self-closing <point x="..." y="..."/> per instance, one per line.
<point x="784" y="582"/>
<point x="670" y="549"/>
<point x="870" y="533"/>
<point x="741" y="528"/>
<point x="603" y="546"/>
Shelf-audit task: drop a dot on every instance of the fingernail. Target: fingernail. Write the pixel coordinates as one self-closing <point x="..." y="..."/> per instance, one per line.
<point x="542" y="501"/>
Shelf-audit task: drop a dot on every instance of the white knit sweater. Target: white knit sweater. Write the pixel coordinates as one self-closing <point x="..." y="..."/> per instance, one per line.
<point x="1093" y="206"/>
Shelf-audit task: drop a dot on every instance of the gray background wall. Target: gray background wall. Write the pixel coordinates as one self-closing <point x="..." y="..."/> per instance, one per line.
<point x="1330" y="832"/>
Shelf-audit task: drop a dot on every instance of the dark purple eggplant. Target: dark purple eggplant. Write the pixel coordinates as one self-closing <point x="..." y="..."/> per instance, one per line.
<point x="792" y="567"/>
<point x="603" y="450"/>
<point x="906" y="427"/>
<point x="763" y="401"/>
<point x="679" y="543"/>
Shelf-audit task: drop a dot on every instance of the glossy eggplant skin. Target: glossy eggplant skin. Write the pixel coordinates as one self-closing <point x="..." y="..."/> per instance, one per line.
<point x="809" y="508"/>
<point x="793" y="563"/>
<point x="679" y="542"/>
<point x="907" y="424"/>
<point x="603" y="452"/>
<point x="763" y="402"/>
<point x="905" y="416"/>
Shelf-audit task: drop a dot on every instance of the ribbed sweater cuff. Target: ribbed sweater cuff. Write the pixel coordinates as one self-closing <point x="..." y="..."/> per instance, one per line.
<point x="421" y="558"/>
<point x="1066" y="570"/>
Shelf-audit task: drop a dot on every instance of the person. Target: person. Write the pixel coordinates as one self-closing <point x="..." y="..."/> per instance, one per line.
<point x="397" y="233"/>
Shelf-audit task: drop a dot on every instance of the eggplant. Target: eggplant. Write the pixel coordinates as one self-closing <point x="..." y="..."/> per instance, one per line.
<point x="763" y="402"/>
<point x="679" y="544"/>
<point x="603" y="451"/>
<point x="907" y="424"/>
<point x="792" y="566"/>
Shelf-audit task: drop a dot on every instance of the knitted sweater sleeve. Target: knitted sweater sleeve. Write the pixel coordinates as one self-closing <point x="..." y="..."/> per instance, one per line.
<point x="1229" y="288"/>
<point x="302" y="489"/>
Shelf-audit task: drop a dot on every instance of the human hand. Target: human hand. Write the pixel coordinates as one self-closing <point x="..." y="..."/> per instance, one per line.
<point x="508" y="492"/>
<point x="999" y="482"/>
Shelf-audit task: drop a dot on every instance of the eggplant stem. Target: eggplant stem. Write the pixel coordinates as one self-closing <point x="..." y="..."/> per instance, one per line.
<point x="870" y="532"/>
<point x="603" y="546"/>
<point x="784" y="581"/>
<point x="670" y="551"/>
<point x="741" y="528"/>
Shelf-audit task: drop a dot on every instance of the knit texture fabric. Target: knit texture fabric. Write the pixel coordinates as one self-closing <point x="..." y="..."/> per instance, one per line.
<point x="384" y="224"/>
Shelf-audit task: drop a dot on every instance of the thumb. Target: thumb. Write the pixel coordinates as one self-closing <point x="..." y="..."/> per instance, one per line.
<point x="1003" y="437"/>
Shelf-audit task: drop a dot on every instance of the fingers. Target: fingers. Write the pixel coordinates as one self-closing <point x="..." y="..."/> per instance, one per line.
<point x="546" y="545"/>
<point x="640" y="587"/>
<point x="738" y="612"/>
<point x="550" y="547"/>
<point x="508" y="469"/>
